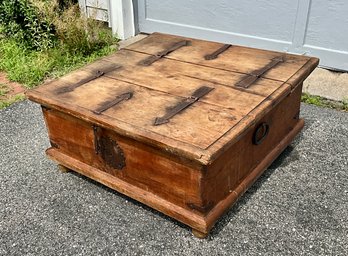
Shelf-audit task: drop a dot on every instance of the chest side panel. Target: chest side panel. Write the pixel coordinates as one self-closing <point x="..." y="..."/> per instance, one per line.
<point x="228" y="173"/>
<point x="155" y="171"/>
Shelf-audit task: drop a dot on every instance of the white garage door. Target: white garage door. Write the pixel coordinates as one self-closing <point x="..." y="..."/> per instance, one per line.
<point x="313" y="27"/>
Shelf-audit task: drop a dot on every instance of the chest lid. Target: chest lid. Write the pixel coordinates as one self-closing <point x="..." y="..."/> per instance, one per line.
<point x="190" y="97"/>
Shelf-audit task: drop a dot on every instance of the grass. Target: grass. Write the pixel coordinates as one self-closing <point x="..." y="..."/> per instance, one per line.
<point x="323" y="102"/>
<point x="7" y="102"/>
<point x="42" y="40"/>
<point x="31" y="68"/>
<point x="3" y="90"/>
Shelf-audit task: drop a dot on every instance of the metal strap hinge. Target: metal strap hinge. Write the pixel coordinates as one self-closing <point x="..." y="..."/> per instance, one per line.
<point x="199" y="93"/>
<point x="215" y="54"/>
<point x="108" y="104"/>
<point x="70" y="87"/>
<point x="257" y="74"/>
<point x="151" y="59"/>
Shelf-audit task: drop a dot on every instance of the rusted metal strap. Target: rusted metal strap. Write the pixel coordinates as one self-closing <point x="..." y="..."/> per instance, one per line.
<point x="215" y="54"/>
<point x="199" y="93"/>
<point x="151" y="59"/>
<point x="255" y="75"/>
<point x="97" y="74"/>
<point x="108" y="104"/>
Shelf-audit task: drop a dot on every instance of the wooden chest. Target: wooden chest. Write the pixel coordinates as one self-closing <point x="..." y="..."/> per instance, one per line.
<point x="184" y="126"/>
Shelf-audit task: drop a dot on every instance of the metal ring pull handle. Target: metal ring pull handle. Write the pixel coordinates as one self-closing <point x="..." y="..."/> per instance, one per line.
<point x="260" y="133"/>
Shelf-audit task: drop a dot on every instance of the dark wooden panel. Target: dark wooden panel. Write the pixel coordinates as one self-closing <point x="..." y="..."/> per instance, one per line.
<point x="175" y="179"/>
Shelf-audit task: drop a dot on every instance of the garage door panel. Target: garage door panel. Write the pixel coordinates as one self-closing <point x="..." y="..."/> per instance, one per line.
<point x="308" y="27"/>
<point x="256" y="19"/>
<point x="328" y="25"/>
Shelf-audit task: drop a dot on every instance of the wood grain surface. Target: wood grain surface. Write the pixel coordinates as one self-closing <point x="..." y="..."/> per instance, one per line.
<point x="229" y="112"/>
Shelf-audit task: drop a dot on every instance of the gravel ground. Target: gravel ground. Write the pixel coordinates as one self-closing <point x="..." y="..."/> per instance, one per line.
<point x="298" y="207"/>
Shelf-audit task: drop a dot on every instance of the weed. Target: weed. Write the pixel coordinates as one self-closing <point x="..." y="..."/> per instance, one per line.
<point x="22" y="22"/>
<point x="3" y="89"/>
<point x="323" y="102"/>
<point x="8" y="102"/>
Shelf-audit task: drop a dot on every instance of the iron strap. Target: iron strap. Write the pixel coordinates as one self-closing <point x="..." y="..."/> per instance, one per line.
<point x="97" y="74"/>
<point x="199" y="93"/>
<point x="151" y="59"/>
<point x="215" y="54"/>
<point x="108" y="104"/>
<point x="257" y="74"/>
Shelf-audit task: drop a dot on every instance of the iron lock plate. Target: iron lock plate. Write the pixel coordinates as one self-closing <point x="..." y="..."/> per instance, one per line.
<point x="108" y="149"/>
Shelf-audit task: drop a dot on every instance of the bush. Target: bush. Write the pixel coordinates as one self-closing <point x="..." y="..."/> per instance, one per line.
<point x="42" y="24"/>
<point x="42" y="39"/>
<point x="20" y="20"/>
<point x="77" y="33"/>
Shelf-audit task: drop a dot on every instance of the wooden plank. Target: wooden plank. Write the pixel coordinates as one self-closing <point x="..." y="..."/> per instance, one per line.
<point x="169" y="75"/>
<point x="177" y="148"/>
<point x="239" y="130"/>
<point x="227" y="110"/>
<point x="235" y="58"/>
<point x="145" y="105"/>
<point x="303" y="73"/>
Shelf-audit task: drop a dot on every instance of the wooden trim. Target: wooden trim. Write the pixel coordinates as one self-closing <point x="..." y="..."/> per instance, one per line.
<point x="303" y="72"/>
<point x="82" y="4"/>
<point x="301" y="23"/>
<point x="122" y="18"/>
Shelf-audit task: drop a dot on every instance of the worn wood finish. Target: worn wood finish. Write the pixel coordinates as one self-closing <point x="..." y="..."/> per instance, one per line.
<point x="235" y="58"/>
<point x="182" y="125"/>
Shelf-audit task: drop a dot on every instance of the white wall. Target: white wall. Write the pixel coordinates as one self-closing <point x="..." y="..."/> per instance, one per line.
<point x="118" y="13"/>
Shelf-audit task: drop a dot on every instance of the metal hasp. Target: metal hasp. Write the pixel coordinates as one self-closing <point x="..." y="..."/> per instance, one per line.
<point x="151" y="59"/>
<point x="215" y="54"/>
<point x="257" y="74"/>
<point x="98" y="73"/>
<point x="108" y="149"/>
<point x="199" y="93"/>
<point x="108" y="104"/>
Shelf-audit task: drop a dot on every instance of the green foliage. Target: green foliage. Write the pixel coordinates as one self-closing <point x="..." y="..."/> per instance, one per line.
<point x="80" y="34"/>
<point x="33" y="67"/>
<point x="42" y="24"/>
<point x="42" y="39"/>
<point x="310" y="99"/>
<point x="323" y="102"/>
<point x="8" y="102"/>
<point x="21" y="21"/>
<point x="3" y="89"/>
<point x="345" y="104"/>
